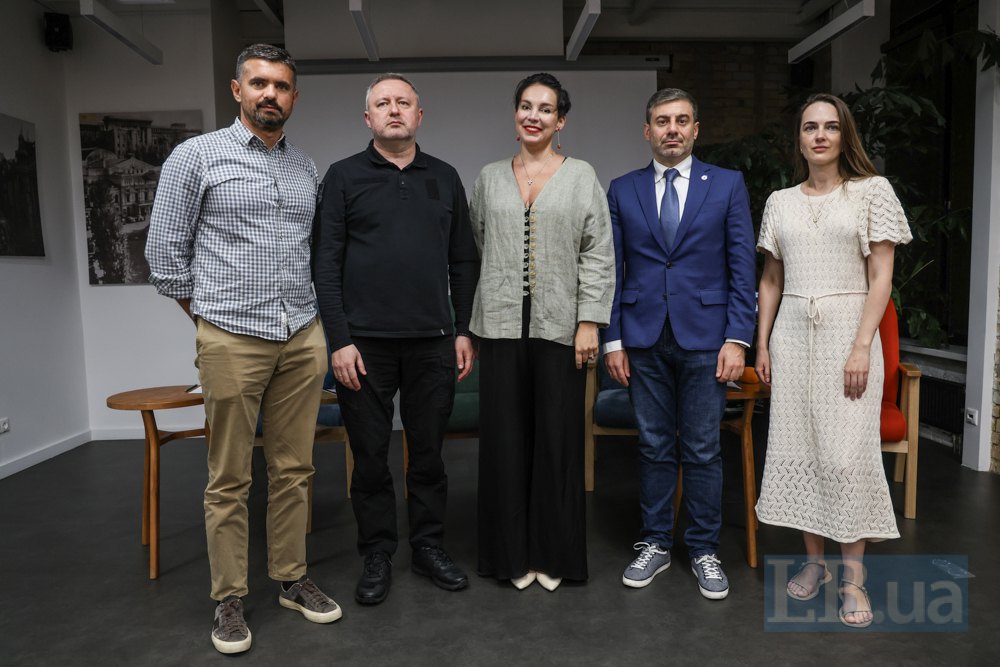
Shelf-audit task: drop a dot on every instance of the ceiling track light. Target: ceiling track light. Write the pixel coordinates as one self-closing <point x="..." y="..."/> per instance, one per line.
<point x="362" y="21"/>
<point x="860" y="12"/>
<point x="107" y="19"/>
<point x="584" y="24"/>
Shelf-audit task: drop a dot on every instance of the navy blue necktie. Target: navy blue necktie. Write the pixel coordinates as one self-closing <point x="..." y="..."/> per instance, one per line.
<point x="670" y="208"/>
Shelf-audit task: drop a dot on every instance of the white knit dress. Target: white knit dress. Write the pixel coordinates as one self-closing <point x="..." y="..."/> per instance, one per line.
<point x="823" y="472"/>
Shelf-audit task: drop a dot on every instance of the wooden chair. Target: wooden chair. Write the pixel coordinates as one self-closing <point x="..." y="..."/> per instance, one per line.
<point x="609" y="412"/>
<point x="900" y="420"/>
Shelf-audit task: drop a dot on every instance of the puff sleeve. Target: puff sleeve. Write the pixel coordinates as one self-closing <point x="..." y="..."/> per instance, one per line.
<point x="881" y="217"/>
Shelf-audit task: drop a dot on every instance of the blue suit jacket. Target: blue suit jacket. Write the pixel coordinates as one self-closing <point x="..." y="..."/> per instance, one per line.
<point x="705" y="281"/>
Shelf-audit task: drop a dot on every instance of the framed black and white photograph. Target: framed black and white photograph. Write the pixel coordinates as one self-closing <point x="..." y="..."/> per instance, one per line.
<point x="122" y="156"/>
<point x="20" y="216"/>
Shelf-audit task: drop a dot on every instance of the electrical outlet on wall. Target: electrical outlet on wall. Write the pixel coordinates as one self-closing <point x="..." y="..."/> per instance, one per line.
<point x="971" y="416"/>
<point x="4" y="424"/>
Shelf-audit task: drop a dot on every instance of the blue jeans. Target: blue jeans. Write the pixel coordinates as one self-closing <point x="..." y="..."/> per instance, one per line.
<point x="675" y="396"/>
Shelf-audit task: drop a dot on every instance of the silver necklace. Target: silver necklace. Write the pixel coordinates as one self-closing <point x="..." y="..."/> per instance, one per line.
<point x="531" y="179"/>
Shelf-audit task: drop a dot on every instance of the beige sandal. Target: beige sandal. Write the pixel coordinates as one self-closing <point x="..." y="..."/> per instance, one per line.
<point x="845" y="612"/>
<point x="825" y="579"/>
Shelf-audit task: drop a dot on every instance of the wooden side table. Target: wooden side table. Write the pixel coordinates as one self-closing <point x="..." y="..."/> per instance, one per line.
<point x="147" y="401"/>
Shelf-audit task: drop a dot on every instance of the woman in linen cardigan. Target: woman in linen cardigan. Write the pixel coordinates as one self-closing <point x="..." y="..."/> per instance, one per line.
<point x="542" y="226"/>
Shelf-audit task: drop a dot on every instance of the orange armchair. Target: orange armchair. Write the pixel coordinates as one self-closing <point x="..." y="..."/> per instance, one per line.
<point x="900" y="422"/>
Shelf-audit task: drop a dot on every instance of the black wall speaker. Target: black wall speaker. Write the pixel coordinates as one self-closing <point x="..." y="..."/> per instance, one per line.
<point x="58" y="32"/>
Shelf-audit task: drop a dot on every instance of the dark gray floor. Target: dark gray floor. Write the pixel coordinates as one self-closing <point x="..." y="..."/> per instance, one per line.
<point x="73" y="577"/>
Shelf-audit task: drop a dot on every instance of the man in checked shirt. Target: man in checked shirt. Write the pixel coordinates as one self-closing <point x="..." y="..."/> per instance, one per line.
<point x="229" y="239"/>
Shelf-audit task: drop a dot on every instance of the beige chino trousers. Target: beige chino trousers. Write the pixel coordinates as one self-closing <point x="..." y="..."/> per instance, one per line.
<point x="241" y="375"/>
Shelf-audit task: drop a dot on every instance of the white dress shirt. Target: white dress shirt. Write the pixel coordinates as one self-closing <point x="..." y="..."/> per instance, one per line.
<point x="681" y="182"/>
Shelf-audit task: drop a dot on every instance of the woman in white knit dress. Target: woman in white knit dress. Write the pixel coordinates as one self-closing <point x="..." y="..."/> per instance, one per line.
<point x="828" y="245"/>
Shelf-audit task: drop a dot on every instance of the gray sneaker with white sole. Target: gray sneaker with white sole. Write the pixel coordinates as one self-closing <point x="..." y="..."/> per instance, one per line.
<point x="304" y="596"/>
<point x="652" y="560"/>
<point x="230" y="633"/>
<point x="712" y="581"/>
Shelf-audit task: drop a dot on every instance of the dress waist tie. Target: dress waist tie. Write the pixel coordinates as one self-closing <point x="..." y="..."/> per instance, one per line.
<point x="815" y="316"/>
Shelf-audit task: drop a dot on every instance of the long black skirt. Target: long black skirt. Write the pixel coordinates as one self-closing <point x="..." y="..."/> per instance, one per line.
<point x="532" y="501"/>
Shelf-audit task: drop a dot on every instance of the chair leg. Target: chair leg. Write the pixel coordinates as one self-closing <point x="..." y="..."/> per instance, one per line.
<point x="588" y="457"/>
<point x="749" y="486"/>
<point x="910" y="487"/>
<point x="897" y="475"/>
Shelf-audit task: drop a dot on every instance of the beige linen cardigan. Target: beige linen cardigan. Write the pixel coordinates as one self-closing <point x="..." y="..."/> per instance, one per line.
<point x="571" y="260"/>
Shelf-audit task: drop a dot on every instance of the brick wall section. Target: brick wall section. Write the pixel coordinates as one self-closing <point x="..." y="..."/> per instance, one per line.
<point x="995" y="433"/>
<point x="740" y="86"/>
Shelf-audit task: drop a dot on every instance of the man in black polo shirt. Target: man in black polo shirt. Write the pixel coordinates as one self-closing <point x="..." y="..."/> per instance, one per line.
<point x="393" y="233"/>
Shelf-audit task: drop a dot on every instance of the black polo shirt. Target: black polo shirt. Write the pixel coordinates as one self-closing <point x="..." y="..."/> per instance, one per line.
<point x="387" y="244"/>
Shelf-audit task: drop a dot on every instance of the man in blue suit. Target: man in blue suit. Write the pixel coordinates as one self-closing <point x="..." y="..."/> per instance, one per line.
<point x="682" y="318"/>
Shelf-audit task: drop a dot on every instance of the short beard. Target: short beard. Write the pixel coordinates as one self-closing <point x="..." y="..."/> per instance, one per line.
<point x="268" y="122"/>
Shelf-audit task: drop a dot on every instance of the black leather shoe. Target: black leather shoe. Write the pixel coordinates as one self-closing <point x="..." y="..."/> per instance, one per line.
<point x="376" y="577"/>
<point x="434" y="562"/>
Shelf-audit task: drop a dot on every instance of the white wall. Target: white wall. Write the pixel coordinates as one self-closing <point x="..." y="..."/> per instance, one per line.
<point x="985" y="269"/>
<point x="42" y="377"/>
<point x="133" y="337"/>
<point x="226" y="44"/>
<point x="469" y="118"/>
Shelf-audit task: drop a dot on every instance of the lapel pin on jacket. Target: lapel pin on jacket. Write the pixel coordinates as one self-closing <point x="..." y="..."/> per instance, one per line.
<point x="704" y="177"/>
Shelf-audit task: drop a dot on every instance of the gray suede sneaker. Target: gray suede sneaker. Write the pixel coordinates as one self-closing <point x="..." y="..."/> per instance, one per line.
<point x="712" y="581"/>
<point x="650" y="562"/>
<point x="304" y="596"/>
<point x="230" y="633"/>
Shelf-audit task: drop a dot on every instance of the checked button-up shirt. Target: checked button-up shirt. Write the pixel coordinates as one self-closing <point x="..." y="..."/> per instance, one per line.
<point x="231" y="230"/>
